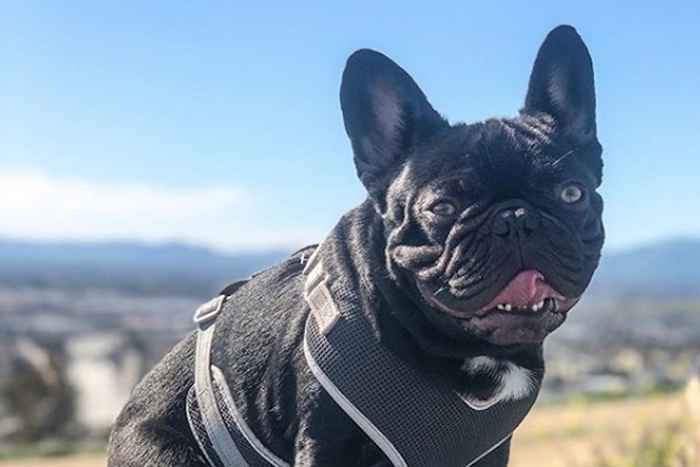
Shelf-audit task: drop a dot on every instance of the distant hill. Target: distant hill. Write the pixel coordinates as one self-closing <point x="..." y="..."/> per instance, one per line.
<point x="670" y="267"/>
<point x="170" y="268"/>
<point x="663" y="268"/>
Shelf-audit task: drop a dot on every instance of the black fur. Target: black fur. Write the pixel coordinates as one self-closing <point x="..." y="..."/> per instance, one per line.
<point x="397" y="245"/>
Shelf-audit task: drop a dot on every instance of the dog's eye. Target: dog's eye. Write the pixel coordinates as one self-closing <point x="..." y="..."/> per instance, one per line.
<point x="444" y="208"/>
<point x="571" y="193"/>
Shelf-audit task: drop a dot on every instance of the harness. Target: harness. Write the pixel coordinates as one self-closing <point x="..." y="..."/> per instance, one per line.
<point x="416" y="419"/>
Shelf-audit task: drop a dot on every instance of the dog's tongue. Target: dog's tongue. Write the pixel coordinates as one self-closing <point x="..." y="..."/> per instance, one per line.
<point x="525" y="290"/>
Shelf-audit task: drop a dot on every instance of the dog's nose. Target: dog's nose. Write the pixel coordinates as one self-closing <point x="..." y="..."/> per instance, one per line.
<point x="513" y="220"/>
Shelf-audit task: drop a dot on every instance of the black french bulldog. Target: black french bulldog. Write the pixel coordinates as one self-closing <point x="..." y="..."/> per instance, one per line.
<point x="475" y="242"/>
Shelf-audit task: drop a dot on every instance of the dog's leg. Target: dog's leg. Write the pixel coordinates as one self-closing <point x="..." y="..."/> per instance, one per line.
<point x="311" y="453"/>
<point x="349" y="449"/>
<point x="496" y="458"/>
<point x="325" y="435"/>
<point x="312" y="448"/>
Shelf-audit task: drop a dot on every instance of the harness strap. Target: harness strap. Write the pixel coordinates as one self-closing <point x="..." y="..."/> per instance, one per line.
<point x="214" y="424"/>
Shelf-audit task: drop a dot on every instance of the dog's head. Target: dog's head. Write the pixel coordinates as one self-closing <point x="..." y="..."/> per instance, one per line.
<point x="493" y="228"/>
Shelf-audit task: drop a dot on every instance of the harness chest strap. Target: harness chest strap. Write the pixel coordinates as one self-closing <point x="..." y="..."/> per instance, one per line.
<point x="216" y="428"/>
<point x="416" y="419"/>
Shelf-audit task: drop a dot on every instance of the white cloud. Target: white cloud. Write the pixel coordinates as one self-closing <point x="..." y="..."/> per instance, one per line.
<point x="37" y="205"/>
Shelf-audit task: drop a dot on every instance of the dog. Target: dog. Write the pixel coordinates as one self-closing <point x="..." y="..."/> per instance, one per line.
<point x="474" y="243"/>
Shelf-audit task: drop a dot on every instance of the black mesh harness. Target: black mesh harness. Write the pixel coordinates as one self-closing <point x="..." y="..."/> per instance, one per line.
<point x="414" y="418"/>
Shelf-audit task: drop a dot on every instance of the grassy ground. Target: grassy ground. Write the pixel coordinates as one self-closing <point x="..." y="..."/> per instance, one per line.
<point x="87" y="460"/>
<point x="574" y="434"/>
<point x="593" y="433"/>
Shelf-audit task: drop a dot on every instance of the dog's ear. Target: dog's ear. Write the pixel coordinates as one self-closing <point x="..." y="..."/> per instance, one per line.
<point x="561" y="85"/>
<point x="385" y="115"/>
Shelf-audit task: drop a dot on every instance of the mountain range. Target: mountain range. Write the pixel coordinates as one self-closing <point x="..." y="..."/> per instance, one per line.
<point x="162" y="269"/>
<point x="665" y="268"/>
<point x="669" y="267"/>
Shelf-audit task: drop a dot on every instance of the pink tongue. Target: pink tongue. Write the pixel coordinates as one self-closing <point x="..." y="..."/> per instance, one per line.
<point x="525" y="290"/>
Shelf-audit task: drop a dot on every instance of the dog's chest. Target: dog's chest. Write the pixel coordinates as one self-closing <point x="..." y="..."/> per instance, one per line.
<point x="489" y="381"/>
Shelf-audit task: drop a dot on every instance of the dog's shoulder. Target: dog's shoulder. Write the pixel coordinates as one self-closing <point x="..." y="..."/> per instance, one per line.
<point x="259" y="332"/>
<point x="273" y="288"/>
<point x="266" y="302"/>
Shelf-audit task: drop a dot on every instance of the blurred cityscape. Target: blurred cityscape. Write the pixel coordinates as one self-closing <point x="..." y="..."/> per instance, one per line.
<point x="80" y="324"/>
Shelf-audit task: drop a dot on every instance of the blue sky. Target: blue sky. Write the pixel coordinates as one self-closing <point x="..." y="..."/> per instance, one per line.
<point x="219" y="123"/>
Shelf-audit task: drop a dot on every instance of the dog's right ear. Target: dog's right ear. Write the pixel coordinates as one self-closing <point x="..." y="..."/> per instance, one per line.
<point x="386" y="115"/>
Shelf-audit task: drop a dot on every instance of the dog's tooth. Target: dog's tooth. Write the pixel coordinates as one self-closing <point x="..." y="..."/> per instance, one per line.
<point x="501" y="306"/>
<point x="508" y="306"/>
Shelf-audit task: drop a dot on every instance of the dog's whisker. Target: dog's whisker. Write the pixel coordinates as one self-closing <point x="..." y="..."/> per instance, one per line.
<point x="562" y="157"/>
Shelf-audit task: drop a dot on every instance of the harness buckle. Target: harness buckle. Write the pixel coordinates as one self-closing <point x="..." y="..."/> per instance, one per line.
<point x="209" y="311"/>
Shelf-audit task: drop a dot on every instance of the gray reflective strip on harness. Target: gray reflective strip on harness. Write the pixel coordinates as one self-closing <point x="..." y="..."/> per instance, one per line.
<point x="243" y="427"/>
<point x="326" y="314"/>
<point x="211" y="416"/>
<point x="353" y="412"/>
<point x="220" y="438"/>
<point x="423" y="423"/>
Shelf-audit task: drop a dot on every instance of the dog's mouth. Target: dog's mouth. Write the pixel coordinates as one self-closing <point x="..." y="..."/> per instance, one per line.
<point x="527" y="292"/>
<point x="528" y="306"/>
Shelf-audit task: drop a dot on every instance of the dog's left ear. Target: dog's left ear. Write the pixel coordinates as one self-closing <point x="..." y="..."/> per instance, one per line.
<point x="386" y="115"/>
<point x="561" y="85"/>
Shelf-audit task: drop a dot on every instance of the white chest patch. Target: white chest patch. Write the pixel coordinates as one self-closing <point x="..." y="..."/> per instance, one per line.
<point x="513" y="382"/>
<point x="516" y="382"/>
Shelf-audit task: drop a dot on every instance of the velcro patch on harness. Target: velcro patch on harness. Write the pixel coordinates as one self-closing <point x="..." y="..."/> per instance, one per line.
<point x="324" y="309"/>
<point x="318" y="295"/>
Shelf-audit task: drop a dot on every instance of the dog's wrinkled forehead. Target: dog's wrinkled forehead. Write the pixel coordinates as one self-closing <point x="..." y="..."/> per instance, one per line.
<point x="496" y="145"/>
<point x="517" y="144"/>
<point x="501" y="152"/>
